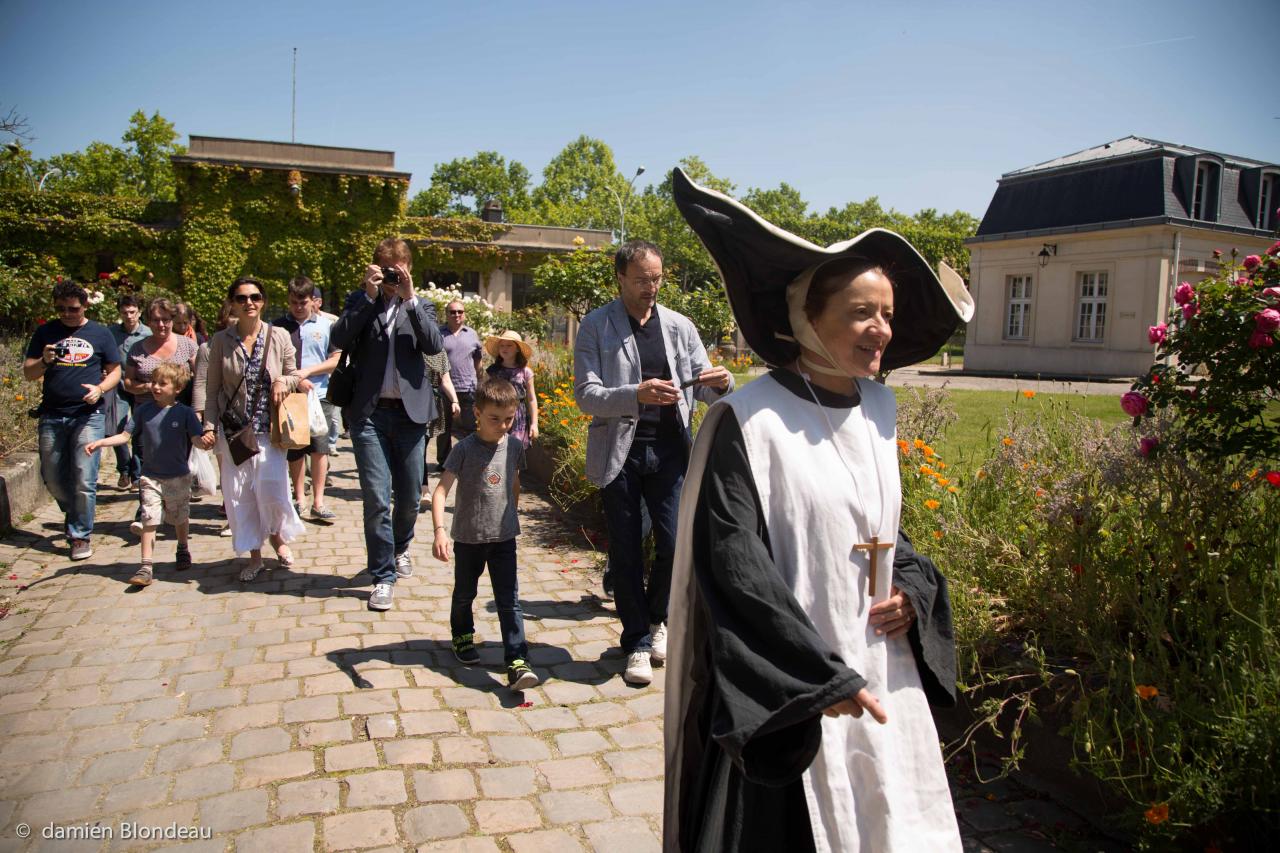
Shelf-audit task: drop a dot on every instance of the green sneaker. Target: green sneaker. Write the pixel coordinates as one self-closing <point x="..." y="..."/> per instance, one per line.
<point x="520" y="676"/>
<point x="464" y="648"/>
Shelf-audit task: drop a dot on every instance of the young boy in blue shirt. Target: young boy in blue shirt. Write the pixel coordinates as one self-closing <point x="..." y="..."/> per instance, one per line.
<point x="167" y="428"/>
<point x="486" y="466"/>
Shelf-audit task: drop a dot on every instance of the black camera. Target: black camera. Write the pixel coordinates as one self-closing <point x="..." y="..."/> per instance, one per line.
<point x="390" y="275"/>
<point x="61" y="351"/>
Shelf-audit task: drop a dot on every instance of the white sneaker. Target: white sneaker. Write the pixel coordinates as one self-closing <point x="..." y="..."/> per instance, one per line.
<point x="658" y="634"/>
<point x="639" y="670"/>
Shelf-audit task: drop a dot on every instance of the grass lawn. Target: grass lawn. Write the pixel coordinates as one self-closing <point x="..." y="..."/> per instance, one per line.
<point x="982" y="416"/>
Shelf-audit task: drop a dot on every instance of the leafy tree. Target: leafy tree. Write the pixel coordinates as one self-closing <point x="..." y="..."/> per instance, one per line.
<point x="783" y="207"/>
<point x="140" y="168"/>
<point x="576" y="187"/>
<point x="463" y="186"/>
<point x="577" y="282"/>
<point x="653" y="215"/>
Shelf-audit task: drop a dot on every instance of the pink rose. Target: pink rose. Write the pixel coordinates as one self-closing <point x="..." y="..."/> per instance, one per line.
<point x="1267" y="320"/>
<point x="1190" y="310"/>
<point x="1217" y="253"/>
<point x="1261" y="340"/>
<point x="1275" y="248"/>
<point x="1184" y="294"/>
<point x="1146" y="445"/>
<point x="1157" y="334"/>
<point x="1251" y="262"/>
<point x="1134" y="404"/>
<point x="1241" y="280"/>
<point x="1271" y="292"/>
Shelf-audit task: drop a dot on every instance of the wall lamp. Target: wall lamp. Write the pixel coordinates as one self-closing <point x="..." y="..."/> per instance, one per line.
<point x="1047" y="251"/>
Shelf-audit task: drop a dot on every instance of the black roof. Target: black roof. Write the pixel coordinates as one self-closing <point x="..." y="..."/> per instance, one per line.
<point x="1128" y="182"/>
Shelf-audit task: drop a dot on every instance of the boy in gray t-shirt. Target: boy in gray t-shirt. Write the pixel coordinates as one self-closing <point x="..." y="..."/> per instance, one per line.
<point x="486" y="466"/>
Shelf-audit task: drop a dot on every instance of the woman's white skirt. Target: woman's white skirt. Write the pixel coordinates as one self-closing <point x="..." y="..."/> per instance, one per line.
<point x="258" y="496"/>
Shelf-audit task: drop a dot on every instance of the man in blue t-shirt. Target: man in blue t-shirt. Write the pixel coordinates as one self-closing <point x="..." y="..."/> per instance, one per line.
<point x="78" y="362"/>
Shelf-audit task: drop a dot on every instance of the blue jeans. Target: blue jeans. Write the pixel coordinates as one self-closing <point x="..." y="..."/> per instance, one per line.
<point x="126" y="461"/>
<point x="468" y="565"/>
<point x="389" y="449"/>
<point x="69" y="474"/>
<point x="653" y="474"/>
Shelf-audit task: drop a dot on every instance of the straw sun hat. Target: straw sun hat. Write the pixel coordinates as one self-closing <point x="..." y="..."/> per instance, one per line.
<point x="491" y="344"/>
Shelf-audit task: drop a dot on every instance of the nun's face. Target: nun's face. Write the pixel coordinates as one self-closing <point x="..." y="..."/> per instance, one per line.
<point x="855" y="323"/>
<point x="640" y="283"/>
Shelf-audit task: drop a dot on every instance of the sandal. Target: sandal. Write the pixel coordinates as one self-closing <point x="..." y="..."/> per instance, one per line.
<point x="251" y="571"/>
<point x="285" y="560"/>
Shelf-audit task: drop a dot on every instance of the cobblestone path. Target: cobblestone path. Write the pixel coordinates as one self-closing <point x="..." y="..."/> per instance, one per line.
<point x="283" y="715"/>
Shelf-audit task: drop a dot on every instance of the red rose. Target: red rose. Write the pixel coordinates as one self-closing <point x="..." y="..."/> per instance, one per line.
<point x="1273" y="477"/>
<point x="1251" y="262"/>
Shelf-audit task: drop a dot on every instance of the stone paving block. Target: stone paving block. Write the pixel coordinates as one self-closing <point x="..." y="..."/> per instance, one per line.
<point x="467" y="697"/>
<point x="350" y="757"/>
<point x="20" y="779"/>
<point x="573" y="773"/>
<point x="629" y="835"/>
<point x="598" y="714"/>
<point x="482" y="721"/>
<point x="62" y="806"/>
<point x="428" y="722"/>
<point x="466" y="844"/>
<point x="101" y="715"/>
<point x="204" y="782"/>
<point x="311" y="708"/>
<point x="370" y="702"/>
<point x="645" y="733"/>
<point x="569" y="693"/>
<point x="317" y="796"/>
<point x="548" y="719"/>
<point x="381" y="726"/>
<point x="506" y="782"/>
<point x="138" y="794"/>
<point x="360" y="830"/>
<point x="444" y="785"/>
<point x="516" y="748"/>
<point x="246" y="717"/>
<point x="187" y="754"/>
<point x="495" y="816"/>
<point x="637" y="798"/>
<point x="257" y="742"/>
<point x="256" y="672"/>
<point x="102" y="739"/>
<point x="332" y="682"/>
<point x="562" y="807"/>
<point x="78" y="697"/>
<point x="198" y="681"/>
<point x="635" y="763"/>
<point x="409" y="751"/>
<point x="581" y="743"/>
<point x="289" y="838"/>
<point x="428" y="823"/>
<point x="333" y="731"/>
<point x="986" y="816"/>
<point x="648" y="706"/>
<point x="116" y="767"/>
<point x="221" y="697"/>
<point x="381" y="788"/>
<point x="272" y="768"/>
<point x="462" y="750"/>
<point x="418" y="699"/>
<point x="168" y="731"/>
<point x="273" y="691"/>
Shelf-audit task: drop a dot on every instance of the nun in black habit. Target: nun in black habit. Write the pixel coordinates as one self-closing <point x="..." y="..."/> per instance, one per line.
<point x="807" y="637"/>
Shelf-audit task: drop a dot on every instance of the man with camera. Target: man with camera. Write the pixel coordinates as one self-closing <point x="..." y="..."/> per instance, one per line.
<point x="77" y="361"/>
<point x="386" y="331"/>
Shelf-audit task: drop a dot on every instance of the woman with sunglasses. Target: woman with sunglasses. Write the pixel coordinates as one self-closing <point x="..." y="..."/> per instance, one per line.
<point x="251" y="368"/>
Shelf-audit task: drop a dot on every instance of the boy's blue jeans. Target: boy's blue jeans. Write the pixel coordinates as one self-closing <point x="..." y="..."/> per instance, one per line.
<point x="70" y="474"/>
<point x="468" y="565"/>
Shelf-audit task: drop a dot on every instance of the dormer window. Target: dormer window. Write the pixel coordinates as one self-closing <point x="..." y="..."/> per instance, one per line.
<point x="1267" y="202"/>
<point x="1204" y="196"/>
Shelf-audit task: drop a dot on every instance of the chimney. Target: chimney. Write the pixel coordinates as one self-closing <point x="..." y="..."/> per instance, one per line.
<point x="492" y="211"/>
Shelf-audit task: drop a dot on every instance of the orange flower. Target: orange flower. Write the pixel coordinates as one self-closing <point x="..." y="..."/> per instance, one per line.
<point x="1158" y="813"/>
<point x="925" y="469"/>
<point x="1039" y="493"/>
<point x="1028" y="394"/>
<point x="943" y="481"/>
<point x="927" y="451"/>
<point x="902" y="445"/>
<point x="919" y="444"/>
<point x="18" y="397"/>
<point x="952" y="489"/>
<point x="564" y="422"/>
<point x="941" y="465"/>
<point x="937" y="534"/>
<point x="932" y="504"/>
<point x="1006" y="441"/>
<point x="982" y="475"/>
<point x="1146" y="691"/>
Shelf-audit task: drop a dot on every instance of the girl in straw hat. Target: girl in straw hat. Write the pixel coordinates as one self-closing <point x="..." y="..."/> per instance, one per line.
<point x="511" y="355"/>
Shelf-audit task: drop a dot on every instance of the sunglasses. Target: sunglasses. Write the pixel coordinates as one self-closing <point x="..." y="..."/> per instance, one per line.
<point x="68" y="309"/>
<point x="242" y="298"/>
<point x="457" y="312"/>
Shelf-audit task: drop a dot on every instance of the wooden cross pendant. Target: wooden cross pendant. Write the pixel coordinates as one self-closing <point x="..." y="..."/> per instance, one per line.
<point x="873" y="548"/>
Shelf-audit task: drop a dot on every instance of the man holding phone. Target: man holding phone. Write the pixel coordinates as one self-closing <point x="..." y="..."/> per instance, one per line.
<point x="638" y="370"/>
<point x="389" y="330"/>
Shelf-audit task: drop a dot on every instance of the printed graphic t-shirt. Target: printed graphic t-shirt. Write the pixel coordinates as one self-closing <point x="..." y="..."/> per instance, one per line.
<point x="485" y="510"/>
<point x="91" y="348"/>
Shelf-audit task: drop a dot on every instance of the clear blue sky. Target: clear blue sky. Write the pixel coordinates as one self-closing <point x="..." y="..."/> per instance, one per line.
<point x="923" y="104"/>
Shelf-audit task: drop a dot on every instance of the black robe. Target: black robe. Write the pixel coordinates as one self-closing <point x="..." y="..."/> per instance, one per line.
<point x="760" y="674"/>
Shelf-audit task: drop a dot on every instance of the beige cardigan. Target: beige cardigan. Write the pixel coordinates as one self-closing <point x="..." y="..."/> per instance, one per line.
<point x="225" y="366"/>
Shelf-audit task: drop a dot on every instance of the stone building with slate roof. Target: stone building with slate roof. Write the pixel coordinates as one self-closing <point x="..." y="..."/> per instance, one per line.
<point x="1077" y="256"/>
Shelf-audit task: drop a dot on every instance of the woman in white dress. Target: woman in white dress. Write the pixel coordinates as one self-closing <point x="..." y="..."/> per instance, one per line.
<point x="807" y="636"/>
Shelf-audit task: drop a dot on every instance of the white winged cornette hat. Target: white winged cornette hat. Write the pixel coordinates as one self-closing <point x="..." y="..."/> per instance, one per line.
<point x="758" y="260"/>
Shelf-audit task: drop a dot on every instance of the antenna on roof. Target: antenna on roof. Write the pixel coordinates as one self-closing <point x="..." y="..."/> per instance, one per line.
<point x="293" y="122"/>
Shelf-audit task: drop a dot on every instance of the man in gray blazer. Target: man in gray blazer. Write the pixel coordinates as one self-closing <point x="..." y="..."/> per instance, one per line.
<point x="389" y="330"/>
<point x="637" y="370"/>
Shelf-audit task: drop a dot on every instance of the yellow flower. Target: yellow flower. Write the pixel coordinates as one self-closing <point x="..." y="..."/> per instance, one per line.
<point x="932" y="504"/>
<point x="1028" y="394"/>
<point x="1146" y="691"/>
<point x="1006" y="441"/>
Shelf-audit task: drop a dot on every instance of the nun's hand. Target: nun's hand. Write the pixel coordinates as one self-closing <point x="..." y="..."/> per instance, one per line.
<point x="657" y="392"/>
<point x="862" y="700"/>
<point x="893" y="616"/>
